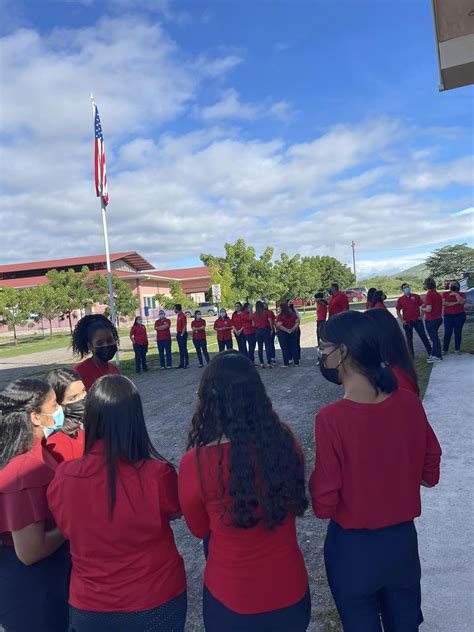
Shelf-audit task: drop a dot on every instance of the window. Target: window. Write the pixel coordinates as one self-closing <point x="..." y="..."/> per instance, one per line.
<point x="149" y="301"/>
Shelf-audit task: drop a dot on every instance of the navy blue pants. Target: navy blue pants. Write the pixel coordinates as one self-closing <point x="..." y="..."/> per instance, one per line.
<point x="242" y="344"/>
<point x="272" y="346"/>
<point x="218" y="618"/>
<point x="182" y="340"/>
<point x="432" y="327"/>
<point x="288" y="347"/>
<point x="251" y="342"/>
<point x="224" y="344"/>
<point x="263" y="336"/>
<point x="453" y="322"/>
<point x="319" y="328"/>
<point x="418" y="326"/>
<point x="140" y="357"/>
<point x="201" y="350"/>
<point x="374" y="576"/>
<point x="164" y="346"/>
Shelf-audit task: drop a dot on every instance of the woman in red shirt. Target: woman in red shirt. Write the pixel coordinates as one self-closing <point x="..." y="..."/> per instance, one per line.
<point x="378" y="299"/>
<point x="126" y="571"/>
<point x="95" y="334"/>
<point x="286" y="324"/>
<point x="139" y="338"/>
<point x="454" y="316"/>
<point x="249" y="330"/>
<point x="198" y="327"/>
<point x="432" y="309"/>
<point x="34" y="561"/>
<point x="239" y="328"/>
<point x="68" y="442"/>
<point x="242" y="483"/>
<point x="394" y="349"/>
<point x="370" y="296"/>
<point x="374" y="449"/>
<point x="223" y="327"/>
<point x="262" y="320"/>
<point x="163" y="339"/>
<point x="321" y="313"/>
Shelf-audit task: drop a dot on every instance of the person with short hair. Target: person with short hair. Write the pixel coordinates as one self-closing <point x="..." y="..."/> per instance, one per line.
<point x="375" y="448"/>
<point x="408" y="312"/>
<point x="139" y="338"/>
<point x="182" y="336"/>
<point x="163" y="339"/>
<point x="238" y="328"/>
<point x="454" y="316"/>
<point x="223" y="327"/>
<point x="432" y="310"/>
<point x="338" y="301"/>
<point x="198" y="327"/>
<point x="115" y="505"/>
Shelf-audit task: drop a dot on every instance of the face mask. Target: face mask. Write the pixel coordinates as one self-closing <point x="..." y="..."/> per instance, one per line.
<point x="223" y="314"/>
<point x="406" y="290"/>
<point x="330" y="291"/>
<point x="331" y="375"/>
<point x="454" y="288"/>
<point x="162" y="316"/>
<point x="75" y="410"/>
<point x="238" y="308"/>
<point x="105" y="353"/>
<point x="198" y="316"/>
<point x="140" y="322"/>
<point x="58" y="418"/>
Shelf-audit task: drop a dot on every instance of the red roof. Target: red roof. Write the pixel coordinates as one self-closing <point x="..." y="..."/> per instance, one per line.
<point x="33" y="281"/>
<point x="183" y="273"/>
<point x="131" y="257"/>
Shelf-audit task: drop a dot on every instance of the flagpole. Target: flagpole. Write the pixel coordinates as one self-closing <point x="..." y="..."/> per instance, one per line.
<point x="107" y="252"/>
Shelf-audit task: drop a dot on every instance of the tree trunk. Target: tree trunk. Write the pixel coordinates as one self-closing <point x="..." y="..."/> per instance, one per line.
<point x="70" y="321"/>
<point x="14" y="333"/>
<point x="50" y="328"/>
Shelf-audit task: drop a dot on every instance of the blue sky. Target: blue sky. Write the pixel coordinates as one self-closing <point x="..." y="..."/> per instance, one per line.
<point x="301" y="125"/>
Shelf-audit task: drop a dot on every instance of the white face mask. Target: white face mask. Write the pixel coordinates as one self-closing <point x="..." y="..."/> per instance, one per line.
<point x="222" y="314"/>
<point x="162" y="316"/>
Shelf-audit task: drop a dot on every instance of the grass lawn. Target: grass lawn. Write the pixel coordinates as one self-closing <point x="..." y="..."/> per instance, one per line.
<point x="31" y="344"/>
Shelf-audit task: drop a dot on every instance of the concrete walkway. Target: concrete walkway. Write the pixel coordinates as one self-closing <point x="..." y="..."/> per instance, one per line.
<point x="446" y="527"/>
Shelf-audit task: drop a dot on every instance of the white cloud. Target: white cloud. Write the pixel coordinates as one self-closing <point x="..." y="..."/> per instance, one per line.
<point x="440" y="176"/>
<point x="230" y="106"/>
<point x="367" y="268"/>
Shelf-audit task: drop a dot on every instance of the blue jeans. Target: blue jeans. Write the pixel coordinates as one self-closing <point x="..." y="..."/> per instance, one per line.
<point x="264" y="340"/>
<point x="164" y="346"/>
<point x="140" y="357"/>
<point x="453" y="322"/>
<point x="241" y="343"/>
<point x="182" y="340"/>
<point x="432" y="327"/>
<point x="224" y="344"/>
<point x="288" y="347"/>
<point x="251" y="342"/>
<point x="201" y="349"/>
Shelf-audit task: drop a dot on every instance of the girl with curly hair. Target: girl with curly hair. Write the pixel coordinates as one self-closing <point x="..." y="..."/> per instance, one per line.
<point x="242" y="483"/>
<point x="95" y="334"/>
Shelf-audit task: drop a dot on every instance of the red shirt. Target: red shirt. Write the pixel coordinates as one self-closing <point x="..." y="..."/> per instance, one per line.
<point x="127" y="563"/>
<point x="404" y="380"/>
<point x="287" y="322"/>
<point x="65" y="448"/>
<point x="261" y="322"/>
<point x="434" y="299"/>
<point x="248" y="570"/>
<point x="247" y="322"/>
<point x="379" y="305"/>
<point x="236" y="320"/>
<point x="23" y="484"/>
<point x="321" y="312"/>
<point x="164" y="334"/>
<point x="455" y="309"/>
<point x="409" y="306"/>
<point x="139" y="334"/>
<point x="223" y="334"/>
<point x="199" y="335"/>
<point x="272" y="315"/>
<point x="181" y="321"/>
<point x="338" y="303"/>
<point x="90" y="372"/>
<point x="370" y="461"/>
<point x="368" y="305"/>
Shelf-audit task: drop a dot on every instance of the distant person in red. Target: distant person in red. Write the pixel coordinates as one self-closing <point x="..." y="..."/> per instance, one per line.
<point x="34" y="561"/>
<point x="454" y="316"/>
<point x="68" y="442"/>
<point x="375" y="448"/>
<point x="272" y="334"/>
<point x="321" y="313"/>
<point x="262" y="320"/>
<point x="286" y="324"/>
<point x="378" y="299"/>
<point x="95" y="334"/>
<point x="182" y="336"/>
<point x="223" y="327"/>
<point x="338" y="301"/>
<point x="114" y="505"/>
<point x="408" y="311"/>
<point x="198" y="327"/>
<point x="163" y="339"/>
<point x="238" y="328"/>
<point x="394" y="349"/>
<point x="139" y="338"/>
<point x="249" y="330"/>
<point x="432" y="309"/>
<point x="370" y="296"/>
<point x="241" y="484"/>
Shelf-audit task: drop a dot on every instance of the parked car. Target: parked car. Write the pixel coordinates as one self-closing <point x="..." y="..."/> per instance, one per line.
<point x="355" y="294"/>
<point x="207" y="309"/>
<point x="363" y="289"/>
<point x="299" y="302"/>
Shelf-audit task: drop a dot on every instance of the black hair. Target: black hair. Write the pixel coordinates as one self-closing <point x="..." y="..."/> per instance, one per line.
<point x="247" y="305"/>
<point x="430" y="283"/>
<point x="266" y="473"/>
<point x="59" y="380"/>
<point x="17" y="401"/>
<point x="404" y="285"/>
<point x="85" y="329"/>
<point x="393" y="345"/>
<point x="195" y="313"/>
<point x="370" y="294"/>
<point x="356" y="331"/>
<point x="335" y="286"/>
<point x="238" y="303"/>
<point x="378" y="297"/>
<point x="114" y="414"/>
<point x="319" y="295"/>
<point x="178" y="307"/>
<point x="137" y="318"/>
<point x="259" y="307"/>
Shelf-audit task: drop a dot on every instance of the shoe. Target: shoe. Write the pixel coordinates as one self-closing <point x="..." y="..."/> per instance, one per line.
<point x="162" y="368"/>
<point x="458" y="352"/>
<point x="262" y="366"/>
<point x="201" y="366"/>
<point x="270" y="366"/>
<point x="433" y="359"/>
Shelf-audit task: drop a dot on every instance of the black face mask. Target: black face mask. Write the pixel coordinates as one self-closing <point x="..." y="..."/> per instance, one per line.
<point x="454" y="288"/>
<point x="331" y="375"/>
<point x="106" y="353"/>
<point x="75" y="410"/>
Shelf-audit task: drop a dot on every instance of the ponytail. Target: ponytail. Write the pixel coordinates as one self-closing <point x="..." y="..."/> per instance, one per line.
<point x="381" y="377"/>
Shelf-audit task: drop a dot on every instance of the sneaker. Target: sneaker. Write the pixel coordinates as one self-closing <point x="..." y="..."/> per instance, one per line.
<point x="433" y="359"/>
<point x="201" y="366"/>
<point x="458" y="352"/>
<point x="162" y="368"/>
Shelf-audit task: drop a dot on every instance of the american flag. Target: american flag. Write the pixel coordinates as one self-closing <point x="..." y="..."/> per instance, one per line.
<point x="99" y="161"/>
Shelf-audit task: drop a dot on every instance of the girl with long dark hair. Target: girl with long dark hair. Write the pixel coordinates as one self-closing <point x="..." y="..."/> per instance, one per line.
<point x="263" y="323"/>
<point x="238" y="328"/>
<point x="249" y="328"/>
<point x="139" y="338"/>
<point x="34" y="561"/>
<point x="374" y="449"/>
<point x="198" y="327"/>
<point x="242" y="483"/>
<point x="286" y="324"/>
<point x="378" y="299"/>
<point x="394" y="349"/>
<point x="95" y="334"/>
<point x="370" y="296"/>
<point x="114" y="505"/>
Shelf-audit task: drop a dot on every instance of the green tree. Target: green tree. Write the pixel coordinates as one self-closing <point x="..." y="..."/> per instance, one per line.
<point x="326" y="270"/>
<point x="450" y="262"/>
<point x="126" y="302"/>
<point x="46" y="303"/>
<point x="14" y="310"/>
<point x="178" y="295"/>
<point x="391" y="284"/>
<point x="72" y="291"/>
<point x="221" y="273"/>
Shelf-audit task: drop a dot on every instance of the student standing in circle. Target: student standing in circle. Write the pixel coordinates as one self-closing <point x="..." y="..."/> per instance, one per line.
<point x="432" y="308"/>
<point x="286" y="324"/>
<point x="163" y="339"/>
<point x="95" y="334"/>
<point x="68" y="442"/>
<point x="126" y="571"/>
<point x="321" y="313"/>
<point x="454" y="316"/>
<point x="263" y="324"/>
<point x="139" y="338"/>
<point x="378" y="299"/>
<point x="297" y="358"/>
<point x="338" y="301"/>
<point x="408" y="311"/>
<point x="394" y="349"/>
<point x="182" y="336"/>
<point x="273" y="334"/>
<point x="242" y="483"/>
<point x="34" y="560"/>
<point x="198" y="327"/>
<point x="370" y="296"/>
<point x="375" y="448"/>
<point x="239" y="328"/>
<point x="249" y="330"/>
<point x="223" y="327"/>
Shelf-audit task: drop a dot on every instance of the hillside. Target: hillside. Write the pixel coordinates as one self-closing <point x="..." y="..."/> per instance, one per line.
<point x="418" y="272"/>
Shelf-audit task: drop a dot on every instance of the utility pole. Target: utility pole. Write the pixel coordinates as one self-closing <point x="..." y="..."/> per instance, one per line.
<point x="354" y="260"/>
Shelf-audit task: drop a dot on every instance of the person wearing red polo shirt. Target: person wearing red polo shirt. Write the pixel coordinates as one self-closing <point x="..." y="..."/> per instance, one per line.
<point x="375" y="448"/>
<point x="321" y="313"/>
<point x="139" y="338"/>
<point x="182" y="336"/>
<point x="241" y="484"/>
<point x="223" y="327"/>
<point x="432" y="309"/>
<point x="238" y="328"/>
<point x="286" y="323"/>
<point x="94" y="333"/>
<point x="163" y="339"/>
<point x="249" y="330"/>
<point x="454" y="316"/>
<point x="115" y="505"/>
<point x="408" y="311"/>
<point x="338" y="301"/>
<point x="198" y="327"/>
<point x="262" y="320"/>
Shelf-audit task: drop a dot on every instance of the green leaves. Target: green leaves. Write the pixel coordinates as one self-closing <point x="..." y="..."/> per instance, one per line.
<point x="14" y="308"/>
<point x="450" y="262"/>
<point x="177" y="296"/>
